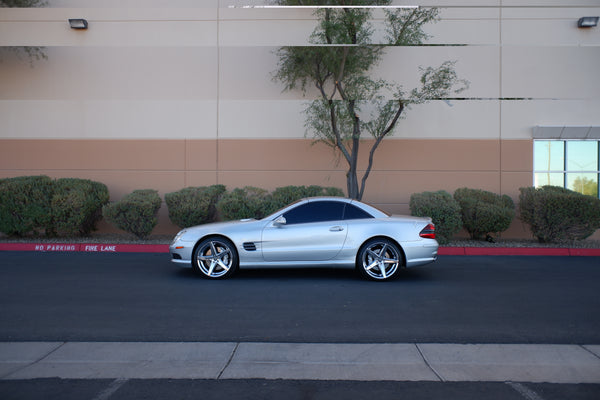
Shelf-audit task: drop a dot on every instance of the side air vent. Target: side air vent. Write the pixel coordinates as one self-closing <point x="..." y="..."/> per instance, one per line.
<point x="249" y="246"/>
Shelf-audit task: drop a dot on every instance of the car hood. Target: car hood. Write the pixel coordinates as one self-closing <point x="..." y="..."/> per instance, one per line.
<point x="215" y="227"/>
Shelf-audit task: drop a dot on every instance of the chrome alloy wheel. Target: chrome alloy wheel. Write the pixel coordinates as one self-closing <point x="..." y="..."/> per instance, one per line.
<point x="215" y="258"/>
<point x="379" y="259"/>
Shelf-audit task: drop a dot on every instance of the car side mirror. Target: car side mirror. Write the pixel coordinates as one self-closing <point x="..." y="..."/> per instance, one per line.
<point x="280" y="221"/>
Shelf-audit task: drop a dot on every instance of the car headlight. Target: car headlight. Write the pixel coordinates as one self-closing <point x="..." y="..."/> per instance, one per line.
<point x="178" y="236"/>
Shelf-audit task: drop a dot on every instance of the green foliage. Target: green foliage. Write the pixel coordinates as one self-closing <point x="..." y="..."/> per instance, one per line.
<point x="405" y="28"/>
<point x="135" y="213"/>
<point x="249" y="202"/>
<point x="484" y="212"/>
<point x="77" y="206"/>
<point x="442" y="208"/>
<point x="283" y="196"/>
<point x="194" y="205"/>
<point x="557" y="214"/>
<point x="25" y="204"/>
<point x="63" y="206"/>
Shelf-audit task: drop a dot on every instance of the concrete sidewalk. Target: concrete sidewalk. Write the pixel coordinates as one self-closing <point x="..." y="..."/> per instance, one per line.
<point x="323" y="361"/>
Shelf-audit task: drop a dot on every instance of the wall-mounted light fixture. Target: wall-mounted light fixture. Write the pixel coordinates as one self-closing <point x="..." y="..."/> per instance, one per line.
<point x="587" y="22"/>
<point x="78" y="23"/>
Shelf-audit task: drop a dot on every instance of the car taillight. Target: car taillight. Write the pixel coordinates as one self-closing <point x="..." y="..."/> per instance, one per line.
<point x="428" y="232"/>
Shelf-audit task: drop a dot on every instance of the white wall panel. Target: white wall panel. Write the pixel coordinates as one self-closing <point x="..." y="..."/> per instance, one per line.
<point x="265" y="33"/>
<point x="549" y="3"/>
<point x="559" y="32"/>
<point x="435" y="120"/>
<point x="50" y="27"/>
<point x="116" y="119"/>
<point x="246" y="73"/>
<point x="451" y="120"/>
<point x="465" y="32"/>
<point x="114" y="73"/>
<point x="261" y="119"/>
<point x="260" y="27"/>
<point x="141" y="55"/>
<point x="134" y="3"/>
<point x="453" y="3"/>
<point x="519" y="117"/>
<point x="551" y="72"/>
<point x="477" y="64"/>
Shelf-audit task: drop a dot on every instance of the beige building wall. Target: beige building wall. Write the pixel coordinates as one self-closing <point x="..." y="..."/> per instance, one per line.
<point x="164" y="97"/>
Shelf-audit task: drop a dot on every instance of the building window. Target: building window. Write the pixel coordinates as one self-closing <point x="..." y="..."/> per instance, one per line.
<point x="573" y="164"/>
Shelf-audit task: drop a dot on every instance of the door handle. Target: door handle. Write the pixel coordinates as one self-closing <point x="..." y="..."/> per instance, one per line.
<point x="336" y="229"/>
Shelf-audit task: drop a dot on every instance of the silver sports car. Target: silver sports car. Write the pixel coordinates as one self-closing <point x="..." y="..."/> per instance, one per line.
<point x="316" y="231"/>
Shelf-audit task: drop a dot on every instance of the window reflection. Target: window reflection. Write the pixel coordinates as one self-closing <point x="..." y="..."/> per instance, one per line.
<point x="582" y="155"/>
<point x="583" y="183"/>
<point x="567" y="163"/>
<point x="549" y="155"/>
<point x="549" y="179"/>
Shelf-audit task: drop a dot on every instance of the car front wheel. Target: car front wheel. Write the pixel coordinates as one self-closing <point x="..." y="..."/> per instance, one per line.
<point x="379" y="259"/>
<point x="215" y="258"/>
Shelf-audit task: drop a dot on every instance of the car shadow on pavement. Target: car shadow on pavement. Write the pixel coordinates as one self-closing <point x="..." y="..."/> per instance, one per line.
<point x="312" y="273"/>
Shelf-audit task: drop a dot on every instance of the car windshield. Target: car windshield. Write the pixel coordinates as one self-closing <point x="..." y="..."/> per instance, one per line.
<point x="272" y="215"/>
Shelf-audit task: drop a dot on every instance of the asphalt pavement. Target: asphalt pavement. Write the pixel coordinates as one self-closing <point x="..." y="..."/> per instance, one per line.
<point x="438" y="330"/>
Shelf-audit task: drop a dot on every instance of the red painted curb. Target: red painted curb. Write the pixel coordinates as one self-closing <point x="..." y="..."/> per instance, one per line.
<point x="39" y="247"/>
<point x="451" y="251"/>
<point x="124" y="248"/>
<point x="86" y="247"/>
<point x="585" y="252"/>
<point x="164" y="248"/>
<point x="516" y="251"/>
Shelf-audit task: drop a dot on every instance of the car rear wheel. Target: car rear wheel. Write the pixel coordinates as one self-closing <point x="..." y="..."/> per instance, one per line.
<point x="379" y="259"/>
<point x="215" y="258"/>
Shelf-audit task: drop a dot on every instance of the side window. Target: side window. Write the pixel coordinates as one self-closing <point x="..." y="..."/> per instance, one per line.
<point x="353" y="212"/>
<point x="317" y="211"/>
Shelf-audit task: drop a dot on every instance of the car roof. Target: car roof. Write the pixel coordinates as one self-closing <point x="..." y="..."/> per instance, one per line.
<point x="377" y="213"/>
<point x="328" y="198"/>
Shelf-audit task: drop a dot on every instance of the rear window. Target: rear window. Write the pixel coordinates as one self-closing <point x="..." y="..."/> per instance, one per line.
<point x="353" y="212"/>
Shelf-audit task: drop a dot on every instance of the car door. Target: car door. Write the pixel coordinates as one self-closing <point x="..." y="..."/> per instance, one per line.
<point x="313" y="231"/>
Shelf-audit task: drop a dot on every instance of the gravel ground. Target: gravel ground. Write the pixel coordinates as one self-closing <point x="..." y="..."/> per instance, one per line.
<point x="166" y="239"/>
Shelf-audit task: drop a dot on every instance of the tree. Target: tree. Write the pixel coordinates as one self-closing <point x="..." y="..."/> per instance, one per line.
<point x="585" y="186"/>
<point x="350" y="103"/>
<point x="30" y="52"/>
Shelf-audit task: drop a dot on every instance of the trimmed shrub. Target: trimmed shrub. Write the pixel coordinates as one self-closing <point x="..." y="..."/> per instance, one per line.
<point x="484" y="212"/>
<point x="194" y="205"/>
<point x="135" y="213"/>
<point x="25" y="204"/>
<point x="249" y="202"/>
<point x="77" y="206"/>
<point x="443" y="210"/>
<point x="557" y="214"/>
<point x="283" y="196"/>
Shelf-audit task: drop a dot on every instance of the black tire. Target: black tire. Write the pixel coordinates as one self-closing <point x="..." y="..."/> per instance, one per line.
<point x="215" y="258"/>
<point x="379" y="259"/>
